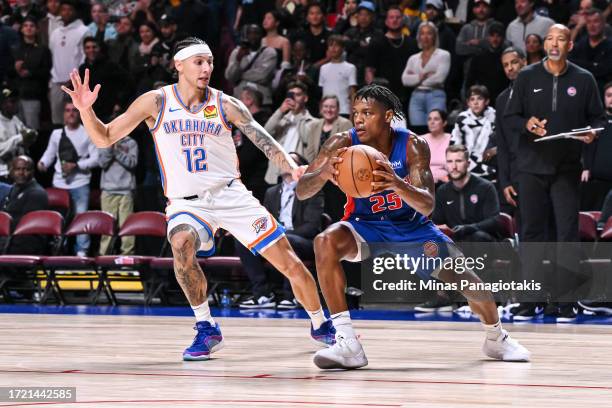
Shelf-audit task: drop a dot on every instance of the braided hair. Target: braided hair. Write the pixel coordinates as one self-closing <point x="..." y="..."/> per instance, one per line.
<point x="384" y="96"/>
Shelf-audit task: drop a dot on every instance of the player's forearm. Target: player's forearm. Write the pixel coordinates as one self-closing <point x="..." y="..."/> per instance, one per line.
<point x="309" y="185"/>
<point x="98" y="132"/>
<point x="418" y="198"/>
<point x="270" y="147"/>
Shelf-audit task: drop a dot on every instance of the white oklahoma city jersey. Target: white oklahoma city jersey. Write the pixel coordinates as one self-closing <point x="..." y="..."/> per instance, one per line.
<point x="195" y="150"/>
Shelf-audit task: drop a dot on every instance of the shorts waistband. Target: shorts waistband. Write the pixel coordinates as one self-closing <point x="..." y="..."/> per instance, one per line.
<point x="212" y="190"/>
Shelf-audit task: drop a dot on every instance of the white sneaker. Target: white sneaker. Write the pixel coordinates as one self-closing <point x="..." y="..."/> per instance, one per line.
<point x="346" y="353"/>
<point x="264" y="302"/>
<point x="505" y="348"/>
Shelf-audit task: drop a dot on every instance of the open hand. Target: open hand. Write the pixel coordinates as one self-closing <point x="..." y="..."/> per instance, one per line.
<point x="82" y="97"/>
<point x="329" y="171"/>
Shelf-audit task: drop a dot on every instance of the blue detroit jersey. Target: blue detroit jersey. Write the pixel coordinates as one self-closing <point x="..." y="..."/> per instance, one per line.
<point x="387" y="205"/>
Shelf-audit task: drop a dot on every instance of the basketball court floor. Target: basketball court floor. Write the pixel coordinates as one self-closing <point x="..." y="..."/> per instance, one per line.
<point x="131" y="357"/>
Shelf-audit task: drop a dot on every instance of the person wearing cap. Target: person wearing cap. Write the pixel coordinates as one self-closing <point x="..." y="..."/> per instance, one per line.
<point x="486" y="69"/>
<point x="168" y="38"/>
<point x="252" y="63"/>
<point x="472" y="39"/>
<point x="15" y="137"/>
<point x="527" y="22"/>
<point x="66" y="45"/>
<point x="100" y="28"/>
<point x="32" y="66"/>
<point x="359" y="38"/>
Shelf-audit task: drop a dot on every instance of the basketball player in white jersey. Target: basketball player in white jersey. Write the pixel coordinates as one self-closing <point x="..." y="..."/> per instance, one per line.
<point x="190" y="123"/>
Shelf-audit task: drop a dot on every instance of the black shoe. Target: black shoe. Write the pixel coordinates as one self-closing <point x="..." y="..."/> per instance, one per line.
<point x="288" y="304"/>
<point x="567" y="313"/>
<point x="604" y="308"/>
<point x="435" y="305"/>
<point x="527" y="311"/>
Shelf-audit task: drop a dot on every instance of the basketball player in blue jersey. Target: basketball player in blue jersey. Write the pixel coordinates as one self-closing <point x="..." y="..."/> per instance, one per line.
<point x="191" y="127"/>
<point x="396" y="212"/>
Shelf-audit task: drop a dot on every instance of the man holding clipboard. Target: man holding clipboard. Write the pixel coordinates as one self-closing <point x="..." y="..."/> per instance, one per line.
<point x="548" y="98"/>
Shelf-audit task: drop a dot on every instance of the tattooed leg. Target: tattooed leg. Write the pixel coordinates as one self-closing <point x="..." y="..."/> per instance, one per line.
<point x="185" y="242"/>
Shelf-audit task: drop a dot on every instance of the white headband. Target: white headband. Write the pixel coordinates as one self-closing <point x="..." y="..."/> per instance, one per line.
<point x="192" y="50"/>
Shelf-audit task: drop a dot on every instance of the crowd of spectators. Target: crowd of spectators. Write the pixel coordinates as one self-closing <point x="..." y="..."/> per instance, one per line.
<point x="294" y="63"/>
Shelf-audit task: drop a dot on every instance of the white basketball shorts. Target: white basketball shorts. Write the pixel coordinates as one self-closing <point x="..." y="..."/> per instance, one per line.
<point x="232" y="208"/>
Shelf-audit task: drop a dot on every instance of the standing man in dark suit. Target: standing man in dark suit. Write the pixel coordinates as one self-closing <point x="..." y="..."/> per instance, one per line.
<point x="513" y="60"/>
<point x="302" y="222"/>
<point x="547" y="98"/>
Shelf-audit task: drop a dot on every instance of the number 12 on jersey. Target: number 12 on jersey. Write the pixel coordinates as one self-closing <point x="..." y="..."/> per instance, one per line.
<point x="196" y="159"/>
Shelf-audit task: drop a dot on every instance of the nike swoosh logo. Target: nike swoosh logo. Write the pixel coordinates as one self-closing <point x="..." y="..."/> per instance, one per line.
<point x="450" y="202"/>
<point x="537" y="90"/>
<point x="174" y="110"/>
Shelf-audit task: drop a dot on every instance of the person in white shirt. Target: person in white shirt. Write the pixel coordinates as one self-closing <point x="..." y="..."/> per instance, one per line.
<point x="15" y="137"/>
<point x="426" y="73"/>
<point x="338" y="77"/>
<point x="66" y="45"/>
<point x="289" y="125"/>
<point x="474" y="128"/>
<point x="72" y="173"/>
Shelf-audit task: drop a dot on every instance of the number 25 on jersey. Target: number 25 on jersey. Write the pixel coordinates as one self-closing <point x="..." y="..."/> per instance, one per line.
<point x="390" y="202"/>
<point x="196" y="159"/>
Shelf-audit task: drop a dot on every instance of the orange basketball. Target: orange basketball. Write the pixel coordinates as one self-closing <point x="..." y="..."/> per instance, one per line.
<point x="356" y="176"/>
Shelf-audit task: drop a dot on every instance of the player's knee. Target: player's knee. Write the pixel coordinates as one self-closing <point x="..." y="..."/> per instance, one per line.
<point x="183" y="243"/>
<point x="324" y="246"/>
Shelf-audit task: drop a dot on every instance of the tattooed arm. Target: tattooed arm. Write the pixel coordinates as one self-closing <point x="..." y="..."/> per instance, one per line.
<point x="145" y="107"/>
<point x="239" y="115"/>
<point x="322" y="167"/>
<point x="418" y="190"/>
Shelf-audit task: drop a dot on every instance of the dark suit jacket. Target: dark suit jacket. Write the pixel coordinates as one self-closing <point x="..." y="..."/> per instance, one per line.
<point x="306" y="214"/>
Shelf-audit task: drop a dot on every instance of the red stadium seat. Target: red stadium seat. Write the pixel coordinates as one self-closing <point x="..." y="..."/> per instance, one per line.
<point x="47" y="223"/>
<point x="59" y="200"/>
<point x="587" y="226"/>
<point x="506" y="225"/>
<point x="606" y="234"/>
<point x="5" y="228"/>
<point x="97" y="223"/>
<point x="140" y="224"/>
<point x="595" y="214"/>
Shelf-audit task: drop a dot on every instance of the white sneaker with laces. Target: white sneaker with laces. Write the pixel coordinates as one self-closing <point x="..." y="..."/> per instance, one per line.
<point x="505" y="348"/>
<point x="346" y="353"/>
<point x="263" y="302"/>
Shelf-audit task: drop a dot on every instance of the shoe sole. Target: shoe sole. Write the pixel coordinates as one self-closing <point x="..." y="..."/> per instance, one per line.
<point x="566" y="319"/>
<point x="204" y="357"/>
<point x="433" y="309"/>
<point x="268" y="306"/>
<point x="605" y="310"/>
<point x="327" y="364"/>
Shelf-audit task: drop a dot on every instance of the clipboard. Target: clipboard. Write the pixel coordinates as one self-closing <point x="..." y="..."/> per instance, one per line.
<point x="573" y="134"/>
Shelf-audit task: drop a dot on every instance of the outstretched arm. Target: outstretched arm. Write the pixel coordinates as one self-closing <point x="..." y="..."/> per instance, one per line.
<point x="418" y="191"/>
<point x="239" y="115"/>
<point x="145" y="107"/>
<point x="322" y="167"/>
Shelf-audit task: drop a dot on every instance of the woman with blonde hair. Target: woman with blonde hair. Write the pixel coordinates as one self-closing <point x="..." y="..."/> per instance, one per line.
<point x="426" y="72"/>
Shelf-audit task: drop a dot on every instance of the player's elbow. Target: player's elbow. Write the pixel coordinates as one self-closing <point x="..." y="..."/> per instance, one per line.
<point x="300" y="192"/>
<point x="428" y="206"/>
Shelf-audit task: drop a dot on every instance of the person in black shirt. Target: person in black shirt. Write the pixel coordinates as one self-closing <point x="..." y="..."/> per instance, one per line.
<point x="252" y="161"/>
<point x="25" y="196"/>
<point x="467" y="203"/>
<point x="32" y="67"/>
<point x="359" y="38"/>
<point x="513" y="60"/>
<point x="387" y="54"/>
<point x="315" y="35"/>
<point x="597" y="173"/>
<point x="547" y="98"/>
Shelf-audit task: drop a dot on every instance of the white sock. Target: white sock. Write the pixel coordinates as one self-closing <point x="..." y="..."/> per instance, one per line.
<point x="317" y="318"/>
<point x="342" y="323"/>
<point x="493" y="331"/>
<point x="202" y="313"/>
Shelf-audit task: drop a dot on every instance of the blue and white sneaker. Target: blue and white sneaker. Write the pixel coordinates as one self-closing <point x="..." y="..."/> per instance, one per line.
<point x="207" y="340"/>
<point x="326" y="334"/>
